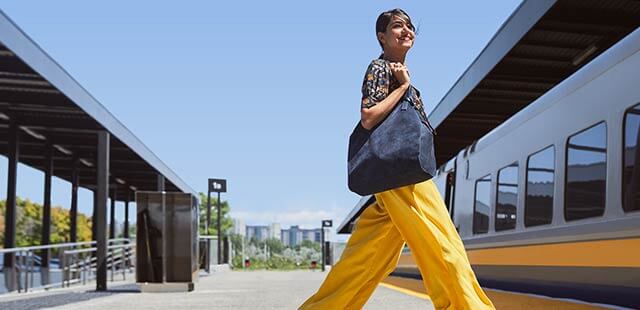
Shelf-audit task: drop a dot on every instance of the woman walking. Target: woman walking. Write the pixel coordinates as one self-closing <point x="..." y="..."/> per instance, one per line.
<point x="415" y="214"/>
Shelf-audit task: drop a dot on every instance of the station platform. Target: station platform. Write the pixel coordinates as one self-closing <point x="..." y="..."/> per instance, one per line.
<point x="219" y="290"/>
<point x="227" y="289"/>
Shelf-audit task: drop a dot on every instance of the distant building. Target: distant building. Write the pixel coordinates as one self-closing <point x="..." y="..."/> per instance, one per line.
<point x="289" y="237"/>
<point x="261" y="233"/>
<point x="284" y="237"/>
<point x="274" y="231"/>
<point x="295" y="235"/>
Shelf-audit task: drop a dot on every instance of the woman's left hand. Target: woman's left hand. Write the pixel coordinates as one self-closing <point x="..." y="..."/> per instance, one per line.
<point x="401" y="72"/>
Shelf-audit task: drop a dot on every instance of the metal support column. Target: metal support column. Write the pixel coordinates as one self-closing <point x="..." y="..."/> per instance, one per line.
<point x="102" y="190"/>
<point x="126" y="224"/>
<point x="206" y="232"/>
<point x="220" y="233"/>
<point x="94" y="234"/>
<point x="10" y="211"/>
<point x="126" y="215"/>
<point x="46" y="206"/>
<point x="74" y="202"/>
<point x="160" y="183"/>
<point x="112" y="213"/>
<point x="322" y="248"/>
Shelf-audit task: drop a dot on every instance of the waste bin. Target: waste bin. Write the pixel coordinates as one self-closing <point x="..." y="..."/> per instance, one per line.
<point x="166" y="241"/>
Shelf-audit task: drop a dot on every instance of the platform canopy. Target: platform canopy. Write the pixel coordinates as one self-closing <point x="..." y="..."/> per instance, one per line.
<point x="542" y="43"/>
<point x="51" y="109"/>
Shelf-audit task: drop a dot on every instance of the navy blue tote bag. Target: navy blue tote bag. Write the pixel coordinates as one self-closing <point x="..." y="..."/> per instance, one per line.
<point x="397" y="152"/>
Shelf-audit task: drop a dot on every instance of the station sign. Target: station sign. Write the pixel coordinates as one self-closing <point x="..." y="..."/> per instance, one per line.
<point x="217" y="185"/>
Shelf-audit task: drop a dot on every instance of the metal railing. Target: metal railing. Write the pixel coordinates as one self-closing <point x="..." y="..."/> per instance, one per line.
<point x="73" y="257"/>
<point x="79" y="266"/>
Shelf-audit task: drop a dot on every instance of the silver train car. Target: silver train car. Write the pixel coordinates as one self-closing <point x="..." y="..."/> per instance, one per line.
<point x="549" y="201"/>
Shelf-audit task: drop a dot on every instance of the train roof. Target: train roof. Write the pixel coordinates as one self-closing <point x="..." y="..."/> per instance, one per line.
<point x="347" y="225"/>
<point x="622" y="50"/>
<point x="541" y="44"/>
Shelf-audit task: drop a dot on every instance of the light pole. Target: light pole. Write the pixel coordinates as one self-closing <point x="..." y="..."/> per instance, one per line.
<point x="325" y="223"/>
<point x="243" y="257"/>
<point x="217" y="186"/>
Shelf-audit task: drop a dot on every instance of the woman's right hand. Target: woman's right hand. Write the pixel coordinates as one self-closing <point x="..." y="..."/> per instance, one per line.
<point x="401" y="72"/>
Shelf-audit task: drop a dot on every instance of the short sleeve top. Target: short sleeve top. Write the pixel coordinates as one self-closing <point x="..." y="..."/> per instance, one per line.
<point x="379" y="82"/>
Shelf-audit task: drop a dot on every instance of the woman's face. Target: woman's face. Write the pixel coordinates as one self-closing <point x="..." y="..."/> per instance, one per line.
<point x="398" y="36"/>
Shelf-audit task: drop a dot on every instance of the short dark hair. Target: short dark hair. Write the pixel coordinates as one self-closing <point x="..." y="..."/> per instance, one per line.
<point x="385" y="18"/>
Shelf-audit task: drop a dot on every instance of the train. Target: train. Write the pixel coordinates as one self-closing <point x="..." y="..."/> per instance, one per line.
<point x="548" y="202"/>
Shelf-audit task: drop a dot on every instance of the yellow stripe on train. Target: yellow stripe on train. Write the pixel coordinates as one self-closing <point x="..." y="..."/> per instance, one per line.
<point x="602" y="253"/>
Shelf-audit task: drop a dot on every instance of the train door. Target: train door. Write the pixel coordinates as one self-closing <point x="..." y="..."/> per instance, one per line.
<point x="450" y="194"/>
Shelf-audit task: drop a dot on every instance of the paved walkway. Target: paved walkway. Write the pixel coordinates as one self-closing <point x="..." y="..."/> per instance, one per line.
<point x="221" y="290"/>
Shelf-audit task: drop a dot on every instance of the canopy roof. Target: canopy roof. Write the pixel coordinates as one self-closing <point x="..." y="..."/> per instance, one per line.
<point x="51" y="108"/>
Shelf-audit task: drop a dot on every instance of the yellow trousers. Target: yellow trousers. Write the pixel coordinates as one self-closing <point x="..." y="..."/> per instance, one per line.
<point x="417" y="215"/>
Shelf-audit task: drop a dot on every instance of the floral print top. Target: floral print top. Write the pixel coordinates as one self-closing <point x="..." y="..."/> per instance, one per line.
<point x="379" y="82"/>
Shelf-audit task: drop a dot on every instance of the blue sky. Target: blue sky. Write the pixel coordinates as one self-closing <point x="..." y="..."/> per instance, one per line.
<point x="264" y="94"/>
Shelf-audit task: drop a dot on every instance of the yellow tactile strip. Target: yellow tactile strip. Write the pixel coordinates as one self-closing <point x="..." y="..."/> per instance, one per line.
<point x="502" y="300"/>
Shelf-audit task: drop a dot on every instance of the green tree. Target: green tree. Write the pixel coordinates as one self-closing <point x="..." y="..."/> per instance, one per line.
<point x="29" y="224"/>
<point x="226" y="221"/>
<point x="236" y="243"/>
<point x="275" y="245"/>
<point x="253" y="240"/>
<point x="311" y="245"/>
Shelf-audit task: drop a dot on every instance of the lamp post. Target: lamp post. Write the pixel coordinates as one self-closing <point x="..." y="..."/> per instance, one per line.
<point x="216" y="186"/>
<point x="325" y="223"/>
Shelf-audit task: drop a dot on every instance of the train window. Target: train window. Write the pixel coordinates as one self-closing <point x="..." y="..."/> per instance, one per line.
<point x="507" y="198"/>
<point x="631" y="165"/>
<point x="538" y="203"/>
<point x="586" y="173"/>
<point x="481" y="207"/>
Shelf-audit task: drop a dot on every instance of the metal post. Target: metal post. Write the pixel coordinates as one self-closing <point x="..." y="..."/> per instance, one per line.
<point x="112" y="213"/>
<point x="31" y="267"/>
<point x="160" y="183"/>
<point x="46" y="208"/>
<point x="206" y="232"/>
<point x="122" y="264"/>
<point x="94" y="234"/>
<point x="322" y="247"/>
<point x="219" y="232"/>
<point x="25" y="260"/>
<point x="11" y="210"/>
<point x="64" y="267"/>
<point x="126" y="216"/>
<point x="112" y="259"/>
<point x="126" y="227"/>
<point x="243" y="258"/>
<point x="102" y="189"/>
<point x="164" y="239"/>
<point x="74" y="202"/>
<point x="84" y="270"/>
